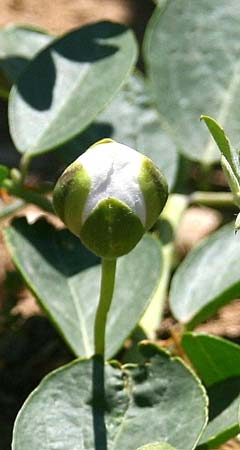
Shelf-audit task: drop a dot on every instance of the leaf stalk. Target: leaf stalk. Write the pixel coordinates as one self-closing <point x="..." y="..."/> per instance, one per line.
<point x="106" y="295"/>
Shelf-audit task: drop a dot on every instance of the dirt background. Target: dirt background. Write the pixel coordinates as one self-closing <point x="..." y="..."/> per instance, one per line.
<point x="60" y="16"/>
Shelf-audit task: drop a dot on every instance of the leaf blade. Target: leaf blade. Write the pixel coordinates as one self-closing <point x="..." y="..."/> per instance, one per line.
<point x="177" y="48"/>
<point x="197" y="293"/>
<point x="63" y="274"/>
<point x="217" y="361"/>
<point x="70" y="72"/>
<point x="115" y="415"/>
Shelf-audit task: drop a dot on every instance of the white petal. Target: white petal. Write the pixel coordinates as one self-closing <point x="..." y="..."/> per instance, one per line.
<point x="114" y="169"/>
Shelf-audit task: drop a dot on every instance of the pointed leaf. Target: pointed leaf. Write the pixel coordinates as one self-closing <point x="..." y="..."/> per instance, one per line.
<point x="71" y="409"/>
<point x="208" y="278"/>
<point x="65" y="277"/>
<point x="68" y="84"/>
<point x="217" y="361"/>
<point x="193" y="64"/>
<point x="218" y="134"/>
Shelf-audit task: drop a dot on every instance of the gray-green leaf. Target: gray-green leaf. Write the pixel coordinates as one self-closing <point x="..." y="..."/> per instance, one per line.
<point x="217" y="362"/>
<point x="19" y="44"/>
<point x="65" y="277"/>
<point x="151" y="402"/>
<point x="133" y="120"/>
<point x="193" y="64"/>
<point x="208" y="278"/>
<point x="68" y="84"/>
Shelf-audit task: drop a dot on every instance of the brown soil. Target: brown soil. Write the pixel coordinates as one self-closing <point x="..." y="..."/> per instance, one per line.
<point x="61" y="15"/>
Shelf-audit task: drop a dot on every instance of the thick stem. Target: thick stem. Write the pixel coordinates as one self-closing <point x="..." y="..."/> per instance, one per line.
<point x="106" y="294"/>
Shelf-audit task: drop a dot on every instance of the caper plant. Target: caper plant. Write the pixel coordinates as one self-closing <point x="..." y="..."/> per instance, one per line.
<point x="103" y="279"/>
<point x="109" y="197"/>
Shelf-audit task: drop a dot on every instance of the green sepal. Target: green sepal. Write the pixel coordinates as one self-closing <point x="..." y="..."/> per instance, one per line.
<point x="112" y="229"/>
<point x="102" y="141"/>
<point x="155" y="191"/>
<point x="70" y="195"/>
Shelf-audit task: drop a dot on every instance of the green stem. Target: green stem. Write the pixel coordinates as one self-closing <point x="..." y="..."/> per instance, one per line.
<point x="169" y="220"/>
<point x="28" y="195"/>
<point x="213" y="199"/>
<point x="24" y="165"/>
<point x="106" y="294"/>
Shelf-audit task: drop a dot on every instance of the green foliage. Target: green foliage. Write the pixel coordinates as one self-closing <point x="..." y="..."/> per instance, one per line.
<point x="193" y="66"/>
<point x="138" y="404"/>
<point x="4" y="171"/>
<point x="132" y="119"/>
<point x="65" y="277"/>
<point x="208" y="278"/>
<point x="18" y="45"/>
<point x="71" y="72"/>
<point x="66" y="93"/>
<point x="217" y="361"/>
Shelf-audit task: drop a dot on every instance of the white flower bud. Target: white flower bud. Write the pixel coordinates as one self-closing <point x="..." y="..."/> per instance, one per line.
<point x="109" y="197"/>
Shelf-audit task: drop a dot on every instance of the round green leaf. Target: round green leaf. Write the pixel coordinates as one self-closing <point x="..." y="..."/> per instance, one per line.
<point x="217" y="361"/>
<point x="192" y="57"/>
<point x="208" y="278"/>
<point x="68" y="84"/>
<point x="71" y="409"/>
<point x="65" y="277"/>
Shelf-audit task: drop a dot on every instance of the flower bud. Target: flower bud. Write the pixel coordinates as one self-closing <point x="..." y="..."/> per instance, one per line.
<point x="109" y="197"/>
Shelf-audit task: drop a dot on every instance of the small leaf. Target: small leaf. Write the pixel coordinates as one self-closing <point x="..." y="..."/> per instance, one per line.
<point x="193" y="64"/>
<point x="217" y="361"/>
<point x="231" y="155"/>
<point x="68" y="84"/>
<point x="4" y="172"/>
<point x="208" y="278"/>
<point x="219" y="136"/>
<point x="72" y="408"/>
<point x="65" y="277"/>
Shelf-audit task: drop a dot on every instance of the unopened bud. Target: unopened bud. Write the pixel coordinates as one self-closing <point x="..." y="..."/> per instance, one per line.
<point x="109" y="197"/>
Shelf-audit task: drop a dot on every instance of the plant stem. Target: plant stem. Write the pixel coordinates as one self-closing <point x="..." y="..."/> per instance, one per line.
<point x="169" y="220"/>
<point x="24" y="165"/>
<point x="106" y="294"/>
<point x="214" y="199"/>
<point x="28" y="195"/>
